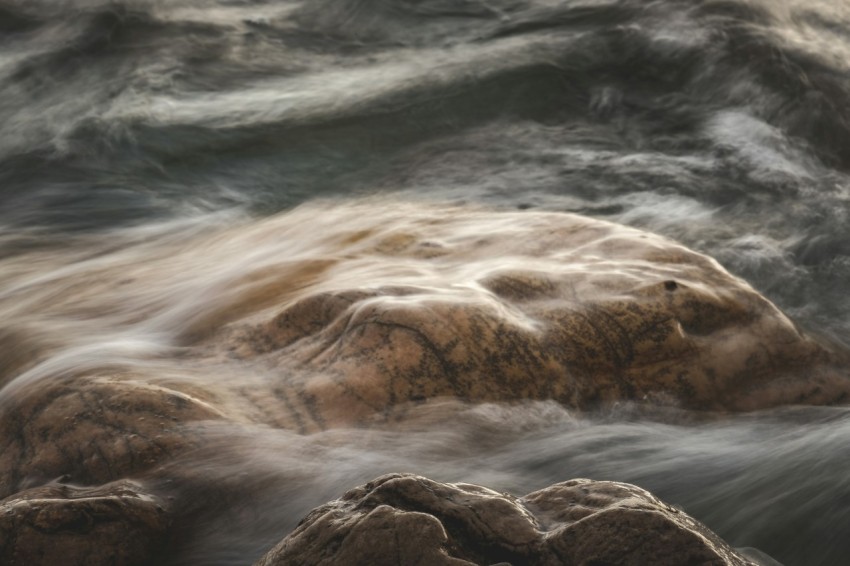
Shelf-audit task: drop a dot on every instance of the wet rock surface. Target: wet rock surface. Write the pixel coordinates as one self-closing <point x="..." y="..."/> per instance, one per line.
<point x="93" y="430"/>
<point x="553" y="306"/>
<point x="406" y="519"/>
<point x="431" y="310"/>
<point x="116" y="524"/>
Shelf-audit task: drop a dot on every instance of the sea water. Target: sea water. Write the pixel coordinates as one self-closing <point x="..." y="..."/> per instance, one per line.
<point x="147" y="146"/>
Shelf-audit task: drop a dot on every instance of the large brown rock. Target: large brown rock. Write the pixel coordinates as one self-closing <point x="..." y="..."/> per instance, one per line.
<point x="388" y="309"/>
<point x="392" y="307"/>
<point x="484" y="306"/>
<point x="409" y="520"/>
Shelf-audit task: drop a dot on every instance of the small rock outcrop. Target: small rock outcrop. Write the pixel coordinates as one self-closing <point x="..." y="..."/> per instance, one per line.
<point x="114" y="524"/>
<point x="91" y="430"/>
<point x="410" y="520"/>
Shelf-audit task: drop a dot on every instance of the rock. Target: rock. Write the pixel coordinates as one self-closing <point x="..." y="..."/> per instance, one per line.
<point x="91" y="430"/>
<point x="505" y="306"/>
<point x="406" y="519"/>
<point x="115" y="524"/>
<point x="422" y="304"/>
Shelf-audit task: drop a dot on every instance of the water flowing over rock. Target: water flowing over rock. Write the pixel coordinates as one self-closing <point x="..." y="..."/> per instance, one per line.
<point x="411" y="520"/>
<point x="405" y="308"/>
<point x="509" y="306"/>
<point x="254" y="253"/>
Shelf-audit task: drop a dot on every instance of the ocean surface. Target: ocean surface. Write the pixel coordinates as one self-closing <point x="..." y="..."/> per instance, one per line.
<point x="146" y="147"/>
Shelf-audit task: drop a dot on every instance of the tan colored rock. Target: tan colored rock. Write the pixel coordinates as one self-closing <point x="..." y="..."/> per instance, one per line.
<point x="507" y="306"/>
<point x="407" y="520"/>
<point x="388" y="309"/>
<point x="92" y="430"/>
<point x="394" y="306"/>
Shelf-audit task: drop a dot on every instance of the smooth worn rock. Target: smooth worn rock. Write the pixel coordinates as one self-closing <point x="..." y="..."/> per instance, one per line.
<point x="90" y="430"/>
<point x="112" y="525"/>
<point x="507" y="306"/>
<point x="390" y="312"/>
<point x="408" y="520"/>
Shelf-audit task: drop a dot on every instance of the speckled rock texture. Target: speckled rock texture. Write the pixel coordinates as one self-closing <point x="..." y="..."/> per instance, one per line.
<point x="410" y="520"/>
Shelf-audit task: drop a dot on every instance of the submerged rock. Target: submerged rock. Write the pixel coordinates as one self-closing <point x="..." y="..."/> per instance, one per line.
<point x="407" y="520"/>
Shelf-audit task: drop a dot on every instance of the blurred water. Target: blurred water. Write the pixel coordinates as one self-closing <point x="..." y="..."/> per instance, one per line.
<point x="775" y="482"/>
<point x="147" y="140"/>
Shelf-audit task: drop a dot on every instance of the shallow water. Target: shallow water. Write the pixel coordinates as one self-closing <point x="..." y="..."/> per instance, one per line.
<point x="152" y="153"/>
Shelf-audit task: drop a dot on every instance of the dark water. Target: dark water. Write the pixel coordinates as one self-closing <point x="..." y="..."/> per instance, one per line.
<point x="129" y="127"/>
